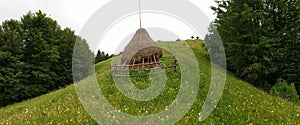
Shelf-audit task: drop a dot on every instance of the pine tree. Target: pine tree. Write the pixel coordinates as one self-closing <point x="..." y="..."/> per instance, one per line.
<point x="261" y="39"/>
<point x="82" y="60"/>
<point x="11" y="52"/>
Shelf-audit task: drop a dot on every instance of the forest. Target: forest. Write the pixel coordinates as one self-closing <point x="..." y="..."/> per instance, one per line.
<point x="262" y="42"/>
<point x="36" y="57"/>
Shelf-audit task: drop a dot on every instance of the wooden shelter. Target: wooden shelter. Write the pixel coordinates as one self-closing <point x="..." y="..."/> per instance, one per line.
<point x="142" y="52"/>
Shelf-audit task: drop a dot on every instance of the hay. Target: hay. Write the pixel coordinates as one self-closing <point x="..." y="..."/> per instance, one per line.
<point x="141" y="49"/>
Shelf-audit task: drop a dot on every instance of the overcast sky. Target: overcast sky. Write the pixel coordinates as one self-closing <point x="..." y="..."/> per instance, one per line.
<point x="74" y="13"/>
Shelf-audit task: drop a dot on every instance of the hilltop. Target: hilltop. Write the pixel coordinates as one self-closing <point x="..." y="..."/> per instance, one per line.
<point x="241" y="102"/>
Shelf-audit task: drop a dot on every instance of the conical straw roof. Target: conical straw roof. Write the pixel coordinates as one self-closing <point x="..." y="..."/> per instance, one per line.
<point x="140" y="47"/>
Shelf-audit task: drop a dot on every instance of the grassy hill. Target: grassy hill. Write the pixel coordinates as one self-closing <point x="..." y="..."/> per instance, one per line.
<point x="241" y="103"/>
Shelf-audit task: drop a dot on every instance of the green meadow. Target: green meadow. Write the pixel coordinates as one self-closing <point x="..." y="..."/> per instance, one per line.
<point x="240" y="103"/>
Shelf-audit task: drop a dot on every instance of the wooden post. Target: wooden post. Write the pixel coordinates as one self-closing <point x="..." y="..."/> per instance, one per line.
<point x="140" y="13"/>
<point x="154" y="64"/>
<point x="132" y="66"/>
<point x="143" y="68"/>
<point x="148" y="61"/>
<point x="175" y="64"/>
<point x="151" y="61"/>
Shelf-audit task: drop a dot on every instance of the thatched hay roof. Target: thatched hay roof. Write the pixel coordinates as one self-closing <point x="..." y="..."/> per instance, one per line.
<point x="140" y="47"/>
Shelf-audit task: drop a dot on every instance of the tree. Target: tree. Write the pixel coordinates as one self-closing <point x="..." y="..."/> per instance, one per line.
<point x="98" y="57"/>
<point x="239" y="29"/>
<point x="40" y="56"/>
<point x="65" y="41"/>
<point x="35" y="57"/>
<point x="285" y="20"/>
<point x="82" y="60"/>
<point x="11" y="52"/>
<point x="101" y="56"/>
<point x="214" y="45"/>
<point x="261" y="39"/>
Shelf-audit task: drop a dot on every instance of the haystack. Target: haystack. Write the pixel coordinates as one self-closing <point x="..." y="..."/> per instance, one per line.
<point x="142" y="52"/>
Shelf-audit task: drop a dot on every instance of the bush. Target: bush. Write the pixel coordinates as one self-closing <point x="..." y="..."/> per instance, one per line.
<point x="266" y="86"/>
<point x="285" y="90"/>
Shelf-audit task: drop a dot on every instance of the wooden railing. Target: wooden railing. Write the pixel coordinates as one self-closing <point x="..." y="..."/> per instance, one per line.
<point x="122" y="68"/>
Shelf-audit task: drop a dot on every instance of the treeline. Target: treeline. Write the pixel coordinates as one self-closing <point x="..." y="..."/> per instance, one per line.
<point x="261" y="40"/>
<point x="36" y="57"/>
<point x="101" y="56"/>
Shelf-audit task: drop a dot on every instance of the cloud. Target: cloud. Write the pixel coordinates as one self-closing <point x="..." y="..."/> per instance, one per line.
<point x="68" y="13"/>
<point x="74" y="13"/>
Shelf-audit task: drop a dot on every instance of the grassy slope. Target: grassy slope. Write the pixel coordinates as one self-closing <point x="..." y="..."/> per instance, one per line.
<point x="241" y="103"/>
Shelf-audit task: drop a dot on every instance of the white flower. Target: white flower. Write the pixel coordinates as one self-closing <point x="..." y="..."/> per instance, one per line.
<point x="26" y="110"/>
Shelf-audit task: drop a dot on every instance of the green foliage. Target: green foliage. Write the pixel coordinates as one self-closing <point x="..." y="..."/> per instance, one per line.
<point x="285" y="90"/>
<point x="261" y="39"/>
<point x="11" y="53"/>
<point x="214" y="45"/>
<point x="101" y="56"/>
<point x="82" y="60"/>
<point x="35" y="57"/>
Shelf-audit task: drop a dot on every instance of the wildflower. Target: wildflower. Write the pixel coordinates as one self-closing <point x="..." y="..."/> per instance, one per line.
<point x="26" y="111"/>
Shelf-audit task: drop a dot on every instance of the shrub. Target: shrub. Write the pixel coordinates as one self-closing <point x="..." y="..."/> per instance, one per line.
<point x="285" y="90"/>
<point x="266" y="86"/>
